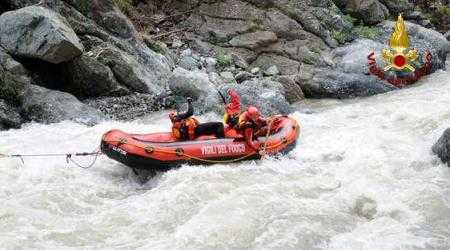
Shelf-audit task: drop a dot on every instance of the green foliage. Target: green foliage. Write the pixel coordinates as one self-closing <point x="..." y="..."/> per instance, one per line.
<point x="437" y="12"/>
<point x="157" y="46"/>
<point x="339" y="36"/>
<point x="124" y="5"/>
<point x="223" y="59"/>
<point x="84" y="6"/>
<point x="349" y="18"/>
<point x="366" y="31"/>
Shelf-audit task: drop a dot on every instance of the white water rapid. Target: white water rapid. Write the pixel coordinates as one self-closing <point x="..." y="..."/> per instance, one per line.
<point x="361" y="177"/>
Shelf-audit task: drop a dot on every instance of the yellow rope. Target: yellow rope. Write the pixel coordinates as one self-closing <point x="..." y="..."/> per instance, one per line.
<point x="124" y="141"/>
<point x="201" y="159"/>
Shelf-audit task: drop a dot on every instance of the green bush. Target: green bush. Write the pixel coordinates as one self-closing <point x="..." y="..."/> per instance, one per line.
<point x="366" y="31"/>
<point x="223" y="59"/>
<point x="339" y="36"/>
<point x="84" y="6"/>
<point x="349" y="18"/>
<point x="124" y="5"/>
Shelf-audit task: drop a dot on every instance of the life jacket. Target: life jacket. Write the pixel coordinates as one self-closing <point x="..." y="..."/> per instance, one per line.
<point x="185" y="129"/>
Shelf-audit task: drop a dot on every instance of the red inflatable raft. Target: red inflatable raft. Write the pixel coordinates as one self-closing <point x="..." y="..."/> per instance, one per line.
<point x="161" y="151"/>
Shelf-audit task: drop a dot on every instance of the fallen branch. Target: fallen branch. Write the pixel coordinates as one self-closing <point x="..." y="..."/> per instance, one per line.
<point x="167" y="33"/>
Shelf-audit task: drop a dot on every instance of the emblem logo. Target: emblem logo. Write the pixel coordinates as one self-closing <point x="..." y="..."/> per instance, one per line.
<point x="400" y="59"/>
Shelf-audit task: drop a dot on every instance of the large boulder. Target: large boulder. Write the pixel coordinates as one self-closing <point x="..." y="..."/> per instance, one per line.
<point x="37" y="32"/>
<point x="266" y="94"/>
<point x="369" y="11"/>
<point x="285" y="65"/>
<point x="398" y="7"/>
<point x="129" y="71"/>
<point x="352" y="58"/>
<point x="189" y="83"/>
<point x="9" y="116"/>
<point x="193" y="84"/>
<point x="442" y="147"/>
<point x="108" y="15"/>
<point x="326" y="83"/>
<point x="284" y="26"/>
<point x="50" y="106"/>
<point x="293" y="91"/>
<point x="17" y="4"/>
<point x="14" y="79"/>
<point x="254" y="40"/>
<point x="86" y="77"/>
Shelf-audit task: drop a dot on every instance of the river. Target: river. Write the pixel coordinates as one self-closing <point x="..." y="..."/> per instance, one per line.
<point x="361" y="177"/>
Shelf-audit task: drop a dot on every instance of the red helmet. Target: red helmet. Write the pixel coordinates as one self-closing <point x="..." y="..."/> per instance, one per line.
<point x="253" y="113"/>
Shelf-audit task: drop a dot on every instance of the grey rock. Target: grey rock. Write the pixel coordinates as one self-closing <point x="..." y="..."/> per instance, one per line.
<point x="211" y="64"/>
<point x="310" y="51"/>
<point x="293" y="92"/>
<point x="37" y="32"/>
<point x="370" y="11"/>
<point x="14" y="79"/>
<point x="284" y="26"/>
<point x="271" y="71"/>
<point x="327" y="83"/>
<point x="414" y="15"/>
<point x="231" y="9"/>
<point x="215" y="78"/>
<point x="194" y="84"/>
<point x="285" y="65"/>
<point x="254" y="40"/>
<point x="50" y="106"/>
<point x="127" y="107"/>
<point x="108" y="15"/>
<point x="128" y="71"/>
<point x="352" y="58"/>
<point x="365" y="207"/>
<point x="177" y="43"/>
<point x="189" y="63"/>
<point x="9" y="116"/>
<point x="227" y="77"/>
<point x="265" y="94"/>
<point x="243" y="76"/>
<point x="17" y="4"/>
<point x="318" y="18"/>
<point x="255" y="70"/>
<point x="86" y="77"/>
<point x="189" y="83"/>
<point x="397" y="7"/>
<point x="239" y="61"/>
<point x="442" y="147"/>
<point x="426" y="23"/>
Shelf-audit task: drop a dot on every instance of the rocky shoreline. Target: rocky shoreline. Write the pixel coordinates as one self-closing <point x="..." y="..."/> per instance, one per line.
<point x="87" y="61"/>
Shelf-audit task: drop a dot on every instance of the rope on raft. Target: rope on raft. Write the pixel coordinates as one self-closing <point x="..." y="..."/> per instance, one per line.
<point x="68" y="156"/>
<point x="151" y="149"/>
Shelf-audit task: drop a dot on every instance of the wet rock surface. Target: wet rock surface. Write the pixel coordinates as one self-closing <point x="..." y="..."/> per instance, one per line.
<point x="49" y="106"/>
<point x="442" y="147"/>
<point x="9" y="116"/>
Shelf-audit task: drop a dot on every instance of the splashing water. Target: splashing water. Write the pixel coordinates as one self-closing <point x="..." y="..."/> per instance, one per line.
<point x="361" y="177"/>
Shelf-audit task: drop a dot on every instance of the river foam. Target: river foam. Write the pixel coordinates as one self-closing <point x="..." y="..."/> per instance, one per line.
<point x="361" y="177"/>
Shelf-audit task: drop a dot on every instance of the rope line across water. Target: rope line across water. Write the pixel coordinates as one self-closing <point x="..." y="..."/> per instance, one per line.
<point x="68" y="156"/>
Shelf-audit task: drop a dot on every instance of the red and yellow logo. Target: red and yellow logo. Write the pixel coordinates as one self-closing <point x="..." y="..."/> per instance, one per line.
<point x="400" y="58"/>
